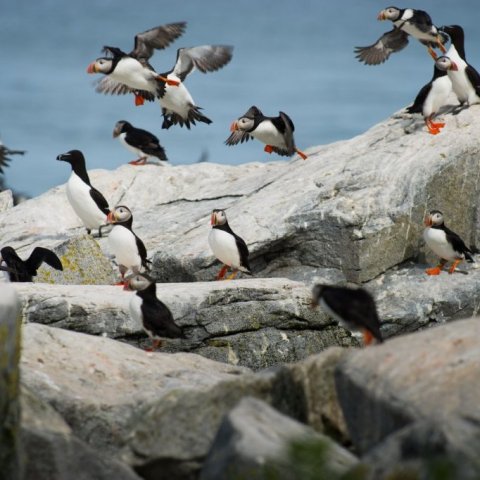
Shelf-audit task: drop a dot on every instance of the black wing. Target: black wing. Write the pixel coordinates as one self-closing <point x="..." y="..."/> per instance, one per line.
<point x="158" y="319"/>
<point x="457" y="243"/>
<point x="238" y="136"/>
<point x="4" y="155"/>
<point x="243" y="250"/>
<point x="142" y="251"/>
<point x="355" y="306"/>
<point x="99" y="199"/>
<point x="417" y="106"/>
<point x="474" y="78"/>
<point x="40" y="255"/>
<point x="390" y="42"/>
<point x="422" y="20"/>
<point x="156" y="38"/>
<point x="146" y="142"/>
<point x="17" y="268"/>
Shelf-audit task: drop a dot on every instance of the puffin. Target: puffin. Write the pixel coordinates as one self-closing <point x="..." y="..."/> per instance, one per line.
<point x="19" y="270"/>
<point x="465" y="79"/>
<point x="131" y="72"/>
<point x="444" y="243"/>
<point x="228" y="247"/>
<point x="406" y="21"/>
<point x="147" y="309"/>
<point x="142" y="143"/>
<point x="87" y="202"/>
<point x="353" y="308"/>
<point x="129" y="250"/>
<point x="5" y="153"/>
<point x="275" y="132"/>
<point x="431" y="98"/>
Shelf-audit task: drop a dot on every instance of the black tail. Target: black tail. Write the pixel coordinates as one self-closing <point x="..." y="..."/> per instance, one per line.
<point x="194" y="114"/>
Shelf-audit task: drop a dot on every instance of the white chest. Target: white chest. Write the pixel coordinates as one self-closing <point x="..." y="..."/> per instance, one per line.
<point x="136" y="151"/>
<point x="176" y="98"/>
<point x="268" y="134"/>
<point x="133" y="74"/>
<point x="123" y="245"/>
<point x="135" y="308"/>
<point x="224" y="247"/>
<point x="437" y="96"/>
<point x="437" y="241"/>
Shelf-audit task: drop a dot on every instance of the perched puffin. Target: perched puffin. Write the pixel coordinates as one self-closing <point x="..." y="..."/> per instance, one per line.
<point x="130" y="252"/>
<point x="444" y="243"/>
<point x="275" y="132"/>
<point x="24" y="270"/>
<point x="142" y="143"/>
<point x="431" y="98"/>
<point x="5" y="152"/>
<point x="131" y="72"/>
<point x="353" y="308"/>
<point x="465" y="79"/>
<point x="228" y="247"/>
<point x="154" y="315"/>
<point x="89" y="204"/>
<point x="407" y="21"/>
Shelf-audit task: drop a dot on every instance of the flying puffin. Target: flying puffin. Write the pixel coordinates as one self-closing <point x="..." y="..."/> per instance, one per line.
<point x="154" y="315"/>
<point x="275" y="132"/>
<point x="465" y="79"/>
<point x="131" y="72"/>
<point x="407" y="21"/>
<point x="444" y="243"/>
<point x="5" y="152"/>
<point x="24" y="270"/>
<point x="431" y="98"/>
<point x="89" y="204"/>
<point x="228" y="247"/>
<point x="142" y="143"/>
<point x="353" y="308"/>
<point x="130" y="252"/>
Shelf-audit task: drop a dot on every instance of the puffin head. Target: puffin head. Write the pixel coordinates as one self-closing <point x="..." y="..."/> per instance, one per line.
<point x="138" y="282"/>
<point x="434" y="218"/>
<point x="246" y="122"/>
<point x="120" y="127"/>
<point x="120" y="214"/>
<point x="218" y="217"/>
<point x="390" y="13"/>
<point x="446" y="63"/>
<point x="101" y="65"/>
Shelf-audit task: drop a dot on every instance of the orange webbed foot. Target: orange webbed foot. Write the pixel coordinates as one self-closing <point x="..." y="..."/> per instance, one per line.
<point x="367" y="337"/>
<point x="233" y="275"/>
<point x="433" y="271"/>
<point x="222" y="272"/>
<point x="139" y="100"/>
<point x="437" y="124"/>
<point x="454" y="266"/>
<point x="140" y="161"/>
<point x="301" y="154"/>
<point x="268" y="149"/>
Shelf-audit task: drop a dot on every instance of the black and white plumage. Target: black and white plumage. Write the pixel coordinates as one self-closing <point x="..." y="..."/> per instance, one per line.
<point x="87" y="202"/>
<point x="407" y="21"/>
<point x="228" y="247"/>
<point x="19" y="270"/>
<point x="131" y="72"/>
<point x="5" y="154"/>
<point x="129" y="250"/>
<point x="445" y="243"/>
<point x="147" y="309"/>
<point x="431" y="98"/>
<point x="353" y="308"/>
<point x="275" y="132"/>
<point x="142" y="143"/>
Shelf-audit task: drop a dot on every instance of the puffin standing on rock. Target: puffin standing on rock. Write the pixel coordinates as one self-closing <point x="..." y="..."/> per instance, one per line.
<point x="130" y="252"/>
<point x="24" y="270"/>
<point x="407" y="21"/>
<point x="228" y="247"/>
<point x="275" y="132"/>
<point x="444" y="243"/>
<point x="142" y="143"/>
<point x="353" y="308"/>
<point x="87" y="202"/>
<point x="154" y="315"/>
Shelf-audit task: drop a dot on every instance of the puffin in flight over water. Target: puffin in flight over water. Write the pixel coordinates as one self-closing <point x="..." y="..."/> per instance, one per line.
<point x="19" y="270"/>
<point x="131" y="72"/>
<point x="444" y="243"/>
<point x="275" y="132"/>
<point x="431" y="98"/>
<point x="228" y="247"/>
<point x="147" y="309"/>
<point x="407" y="21"/>
<point x="142" y="143"/>
<point x="87" y="202"/>
<point x="353" y="308"/>
<point x="129" y="250"/>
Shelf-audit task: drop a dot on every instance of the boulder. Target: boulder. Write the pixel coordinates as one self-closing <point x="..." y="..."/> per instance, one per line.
<point x="10" y="323"/>
<point x="254" y="442"/>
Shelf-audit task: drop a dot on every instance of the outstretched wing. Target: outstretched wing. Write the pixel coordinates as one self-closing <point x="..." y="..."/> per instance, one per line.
<point x="238" y="136"/>
<point x="40" y="255"/>
<point x="156" y="38"/>
<point x="108" y="86"/>
<point x="390" y="42"/>
<point x="4" y="155"/>
<point x="206" y="58"/>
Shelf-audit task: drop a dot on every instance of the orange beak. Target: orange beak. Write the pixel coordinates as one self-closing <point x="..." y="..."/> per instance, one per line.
<point x="234" y="126"/>
<point x="381" y="15"/>
<point x="127" y="286"/>
<point x="454" y="66"/>
<point x="428" y="221"/>
<point x="91" y="68"/>
<point x="213" y="219"/>
<point x="110" y="217"/>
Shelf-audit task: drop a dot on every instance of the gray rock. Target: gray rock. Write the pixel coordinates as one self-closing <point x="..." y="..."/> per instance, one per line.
<point x="6" y="200"/>
<point x="254" y="442"/>
<point x="52" y="452"/>
<point x="10" y="322"/>
<point x="430" y="375"/>
<point x="255" y="322"/>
